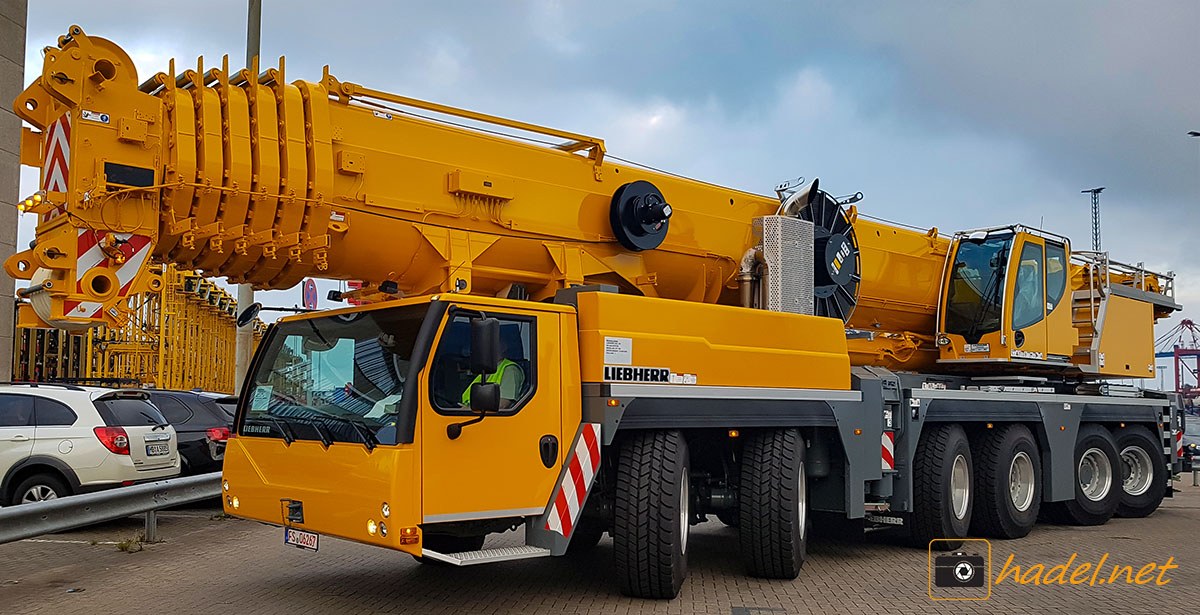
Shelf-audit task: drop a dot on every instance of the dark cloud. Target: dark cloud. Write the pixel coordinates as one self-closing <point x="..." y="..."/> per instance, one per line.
<point x="950" y="114"/>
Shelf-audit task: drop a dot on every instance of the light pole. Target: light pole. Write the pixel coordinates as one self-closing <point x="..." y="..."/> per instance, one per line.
<point x="1095" y="192"/>
<point x="244" y="341"/>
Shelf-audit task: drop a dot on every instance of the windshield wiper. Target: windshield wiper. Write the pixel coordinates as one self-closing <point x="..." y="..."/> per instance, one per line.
<point x="320" y="429"/>
<point x="157" y="424"/>
<point x="286" y="431"/>
<point x="368" y="438"/>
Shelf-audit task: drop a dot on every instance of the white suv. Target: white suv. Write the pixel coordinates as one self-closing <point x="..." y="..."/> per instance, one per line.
<point x="58" y="440"/>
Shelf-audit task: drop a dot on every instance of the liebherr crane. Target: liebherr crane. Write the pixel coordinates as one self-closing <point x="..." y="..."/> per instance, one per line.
<point x="573" y="346"/>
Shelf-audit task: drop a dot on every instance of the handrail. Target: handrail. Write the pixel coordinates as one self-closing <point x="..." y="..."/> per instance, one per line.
<point x="57" y="515"/>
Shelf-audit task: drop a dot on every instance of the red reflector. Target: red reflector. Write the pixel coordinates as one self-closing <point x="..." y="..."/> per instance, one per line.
<point x="126" y="483"/>
<point x="114" y="439"/>
<point x="218" y="434"/>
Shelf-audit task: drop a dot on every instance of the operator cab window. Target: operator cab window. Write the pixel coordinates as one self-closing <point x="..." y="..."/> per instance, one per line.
<point x="1056" y="274"/>
<point x="451" y="377"/>
<point x="1028" y="299"/>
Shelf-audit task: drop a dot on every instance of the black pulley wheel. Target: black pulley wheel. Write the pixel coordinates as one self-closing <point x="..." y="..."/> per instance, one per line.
<point x="836" y="268"/>
<point x="640" y="216"/>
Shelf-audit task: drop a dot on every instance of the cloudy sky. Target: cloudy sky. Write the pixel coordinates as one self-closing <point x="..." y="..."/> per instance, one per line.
<point x="947" y="114"/>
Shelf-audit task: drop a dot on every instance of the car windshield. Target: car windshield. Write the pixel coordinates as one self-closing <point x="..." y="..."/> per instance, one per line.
<point x="1192" y="428"/>
<point x="975" y="295"/>
<point x="336" y="378"/>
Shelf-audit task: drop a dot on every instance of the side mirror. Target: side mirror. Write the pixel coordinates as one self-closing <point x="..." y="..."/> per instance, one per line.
<point x="485" y="345"/>
<point x="485" y="397"/>
<point x="249" y="314"/>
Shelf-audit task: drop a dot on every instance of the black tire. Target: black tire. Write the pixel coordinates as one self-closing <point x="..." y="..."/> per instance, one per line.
<point x="730" y="518"/>
<point x="935" y="516"/>
<point x="47" y="485"/>
<point x="774" y="505"/>
<point x="1136" y="446"/>
<point x="1001" y="456"/>
<point x="651" y="514"/>
<point x="1083" y="510"/>
<point x="585" y="536"/>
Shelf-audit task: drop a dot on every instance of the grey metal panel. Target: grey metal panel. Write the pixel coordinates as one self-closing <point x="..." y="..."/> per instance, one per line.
<point x="1129" y="292"/>
<point x="482" y="514"/>
<point x="1034" y="397"/>
<point x="665" y="413"/>
<point x="787" y="248"/>
<point x="691" y="391"/>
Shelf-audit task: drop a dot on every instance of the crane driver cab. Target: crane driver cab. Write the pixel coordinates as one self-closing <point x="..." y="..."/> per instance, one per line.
<point x="1003" y="299"/>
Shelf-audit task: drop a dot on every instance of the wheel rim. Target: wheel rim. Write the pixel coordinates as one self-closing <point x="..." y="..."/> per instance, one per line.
<point x="802" y="498"/>
<point x="38" y="493"/>
<point x="1137" y="469"/>
<point x="683" y="513"/>
<point x="1020" y="481"/>
<point x="960" y="486"/>
<point x="1095" y="474"/>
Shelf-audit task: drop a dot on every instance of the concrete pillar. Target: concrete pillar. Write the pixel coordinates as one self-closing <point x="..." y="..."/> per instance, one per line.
<point x="12" y="82"/>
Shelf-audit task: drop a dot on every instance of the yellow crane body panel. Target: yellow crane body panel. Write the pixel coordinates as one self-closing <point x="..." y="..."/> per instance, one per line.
<point x="624" y="338"/>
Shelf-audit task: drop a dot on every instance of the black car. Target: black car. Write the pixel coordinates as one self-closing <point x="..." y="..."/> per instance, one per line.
<point x="202" y="422"/>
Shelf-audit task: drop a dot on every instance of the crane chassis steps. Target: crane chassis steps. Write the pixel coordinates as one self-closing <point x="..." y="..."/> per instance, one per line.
<point x="487" y="556"/>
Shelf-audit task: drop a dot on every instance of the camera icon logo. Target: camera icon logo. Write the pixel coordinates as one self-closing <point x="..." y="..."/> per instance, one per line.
<point x="961" y="574"/>
<point x="959" y="569"/>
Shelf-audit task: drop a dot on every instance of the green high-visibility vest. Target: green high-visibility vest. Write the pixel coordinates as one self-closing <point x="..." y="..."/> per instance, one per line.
<point x="497" y="377"/>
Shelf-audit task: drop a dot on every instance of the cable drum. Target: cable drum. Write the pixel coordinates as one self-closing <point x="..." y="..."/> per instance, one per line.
<point x="42" y="303"/>
<point x="838" y="266"/>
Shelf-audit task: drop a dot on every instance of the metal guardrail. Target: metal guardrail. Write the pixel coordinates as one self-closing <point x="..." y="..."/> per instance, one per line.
<point x="29" y="520"/>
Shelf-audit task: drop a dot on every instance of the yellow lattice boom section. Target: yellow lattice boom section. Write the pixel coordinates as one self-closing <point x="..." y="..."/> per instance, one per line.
<point x="179" y="337"/>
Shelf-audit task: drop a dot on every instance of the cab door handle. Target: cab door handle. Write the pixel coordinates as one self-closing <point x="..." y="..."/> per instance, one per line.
<point x="19" y="438"/>
<point x="548" y="448"/>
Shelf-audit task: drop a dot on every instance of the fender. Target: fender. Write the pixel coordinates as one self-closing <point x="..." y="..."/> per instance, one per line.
<point x="40" y="460"/>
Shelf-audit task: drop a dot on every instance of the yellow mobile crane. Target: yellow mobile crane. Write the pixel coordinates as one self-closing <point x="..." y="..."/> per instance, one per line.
<point x="573" y="346"/>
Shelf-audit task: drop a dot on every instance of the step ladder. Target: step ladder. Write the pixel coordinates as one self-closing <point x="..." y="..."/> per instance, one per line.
<point x="487" y="556"/>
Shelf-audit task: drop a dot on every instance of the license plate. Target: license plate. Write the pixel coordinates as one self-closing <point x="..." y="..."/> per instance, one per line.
<point x="300" y="538"/>
<point x="158" y="448"/>
<point x="977" y="348"/>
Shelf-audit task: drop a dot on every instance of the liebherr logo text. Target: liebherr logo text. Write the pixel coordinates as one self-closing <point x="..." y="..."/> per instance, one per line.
<point x="636" y="374"/>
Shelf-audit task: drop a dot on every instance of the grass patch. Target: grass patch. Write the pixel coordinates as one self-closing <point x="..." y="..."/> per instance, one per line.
<point x="130" y="545"/>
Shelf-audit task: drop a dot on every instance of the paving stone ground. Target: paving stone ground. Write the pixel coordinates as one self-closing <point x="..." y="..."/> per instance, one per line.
<point x="214" y="565"/>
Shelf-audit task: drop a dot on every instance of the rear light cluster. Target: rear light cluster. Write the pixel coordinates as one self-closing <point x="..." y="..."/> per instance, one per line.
<point x="218" y="434"/>
<point x="114" y="439"/>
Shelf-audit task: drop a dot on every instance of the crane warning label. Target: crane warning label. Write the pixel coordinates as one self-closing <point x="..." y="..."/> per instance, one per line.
<point x="618" y="351"/>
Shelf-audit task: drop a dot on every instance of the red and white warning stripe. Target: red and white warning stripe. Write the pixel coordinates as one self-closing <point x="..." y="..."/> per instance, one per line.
<point x="1179" y="443"/>
<point x="56" y="161"/>
<point x="889" y="450"/>
<point x="577" y="478"/>
<point x="136" y="249"/>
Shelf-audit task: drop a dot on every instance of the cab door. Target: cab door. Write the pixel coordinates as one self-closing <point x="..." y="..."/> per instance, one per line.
<point x="1061" y="334"/>
<point x="502" y="466"/>
<point x="1027" y="309"/>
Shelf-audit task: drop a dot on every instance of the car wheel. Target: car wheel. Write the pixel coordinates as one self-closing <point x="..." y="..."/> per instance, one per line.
<point x="39" y="488"/>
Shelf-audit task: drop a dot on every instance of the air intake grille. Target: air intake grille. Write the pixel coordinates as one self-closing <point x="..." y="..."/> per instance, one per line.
<point x="787" y="246"/>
